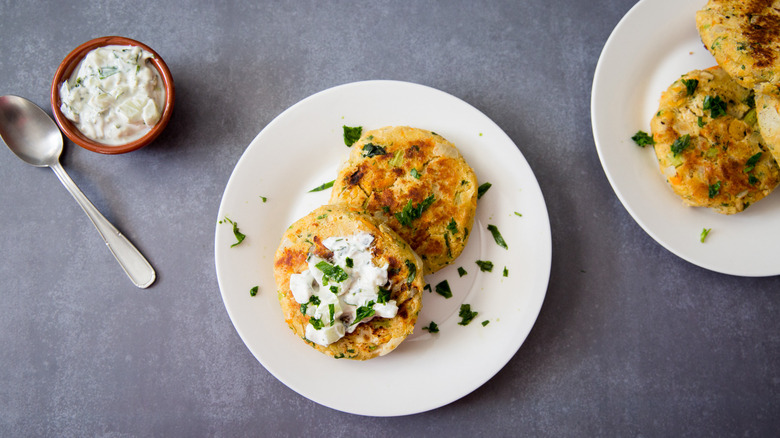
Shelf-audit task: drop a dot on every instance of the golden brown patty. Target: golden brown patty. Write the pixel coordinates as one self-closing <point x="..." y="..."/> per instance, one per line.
<point x="768" y="108"/>
<point x="744" y="38"/>
<point x="378" y="336"/>
<point x="418" y="183"/>
<point x="708" y="145"/>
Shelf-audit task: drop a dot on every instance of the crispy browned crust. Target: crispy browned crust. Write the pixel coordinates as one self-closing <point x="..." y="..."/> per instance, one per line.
<point x="744" y="38"/>
<point x="380" y="335"/>
<point x="384" y="185"/>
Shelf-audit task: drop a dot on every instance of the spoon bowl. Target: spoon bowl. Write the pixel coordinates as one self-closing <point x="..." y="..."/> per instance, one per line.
<point x="34" y="137"/>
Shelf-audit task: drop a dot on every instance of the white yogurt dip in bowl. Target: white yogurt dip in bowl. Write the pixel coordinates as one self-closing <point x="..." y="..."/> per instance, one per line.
<point x="112" y="95"/>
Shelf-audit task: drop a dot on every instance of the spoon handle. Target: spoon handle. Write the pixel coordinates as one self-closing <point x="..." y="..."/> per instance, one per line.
<point x="132" y="261"/>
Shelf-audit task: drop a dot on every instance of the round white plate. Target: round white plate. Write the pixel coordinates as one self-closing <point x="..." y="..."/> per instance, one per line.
<point x="653" y="45"/>
<point x="303" y="148"/>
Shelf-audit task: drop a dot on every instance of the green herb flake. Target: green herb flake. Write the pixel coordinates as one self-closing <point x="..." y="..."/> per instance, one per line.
<point x="415" y="173"/>
<point x="316" y="323"/>
<point x="506" y="272"/>
<point x="704" y="233"/>
<point x="497" y="236"/>
<point x="331" y="272"/>
<point x="485" y="322"/>
<point x="410" y="212"/>
<point x="412" y="268"/>
<point x="352" y="134"/>
<point x="349" y="262"/>
<point x="466" y="315"/>
<point x="642" y="139"/>
<point x="325" y="186"/>
<point x="372" y="150"/>
<point x="443" y="289"/>
<point x="518" y="214"/>
<point x="264" y="199"/>
<point x="483" y="188"/>
<point x="461" y="271"/>
<point x="428" y="288"/>
<point x="452" y="227"/>
<point x="432" y="328"/>
<point x="334" y="290"/>
<point x="397" y="158"/>
<point x="700" y="121"/>
<point x="681" y="144"/>
<point x="364" y="312"/>
<point x="715" y="105"/>
<point x="239" y="235"/>
<point x="690" y="86"/>
<point x="714" y="189"/>
<point x="751" y="162"/>
<point x="384" y="295"/>
<point x="485" y="265"/>
<point x="253" y="291"/>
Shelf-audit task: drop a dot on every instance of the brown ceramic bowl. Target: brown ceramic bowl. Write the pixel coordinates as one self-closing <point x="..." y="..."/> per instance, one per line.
<point x="66" y="69"/>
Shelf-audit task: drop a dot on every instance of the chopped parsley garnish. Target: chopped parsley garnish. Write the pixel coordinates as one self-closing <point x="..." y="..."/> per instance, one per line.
<point x="714" y="189"/>
<point x="415" y="173"/>
<point x="264" y="199"/>
<point x="331" y="312"/>
<point x="372" y="150"/>
<point x="334" y="290"/>
<point x="751" y="162"/>
<point x="704" y="233"/>
<point x="642" y="139"/>
<point x="716" y="105"/>
<point x="506" y="272"/>
<point x="518" y="214"/>
<point x="331" y="272"/>
<point x="461" y="271"/>
<point x="485" y="322"/>
<point x="452" y="227"/>
<point x="443" y="289"/>
<point x="316" y="323"/>
<point x="700" y="121"/>
<point x="690" y="85"/>
<point x="427" y="287"/>
<point x="752" y="180"/>
<point x="412" y="268"/>
<point x="327" y="185"/>
<point x="497" y="236"/>
<point x="432" y="327"/>
<point x="253" y="291"/>
<point x="349" y="262"/>
<point x="483" y="188"/>
<point x="239" y="235"/>
<point x="410" y="212"/>
<point x="364" y="312"/>
<point x="314" y="299"/>
<point x="384" y="295"/>
<point x="352" y="134"/>
<point x="485" y="265"/>
<point x="466" y="315"/>
<point x="680" y="144"/>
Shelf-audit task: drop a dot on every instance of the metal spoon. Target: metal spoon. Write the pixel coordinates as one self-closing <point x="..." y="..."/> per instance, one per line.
<point x="34" y="137"/>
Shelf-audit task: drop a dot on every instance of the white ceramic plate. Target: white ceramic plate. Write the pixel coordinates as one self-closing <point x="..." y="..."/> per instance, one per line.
<point x="653" y="45"/>
<point x="301" y="149"/>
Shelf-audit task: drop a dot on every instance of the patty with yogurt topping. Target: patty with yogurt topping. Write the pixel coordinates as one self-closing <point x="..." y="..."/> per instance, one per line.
<point x="353" y="315"/>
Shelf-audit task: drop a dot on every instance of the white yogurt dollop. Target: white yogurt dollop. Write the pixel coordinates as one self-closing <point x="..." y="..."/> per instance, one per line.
<point x="114" y="95"/>
<point x="340" y="293"/>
